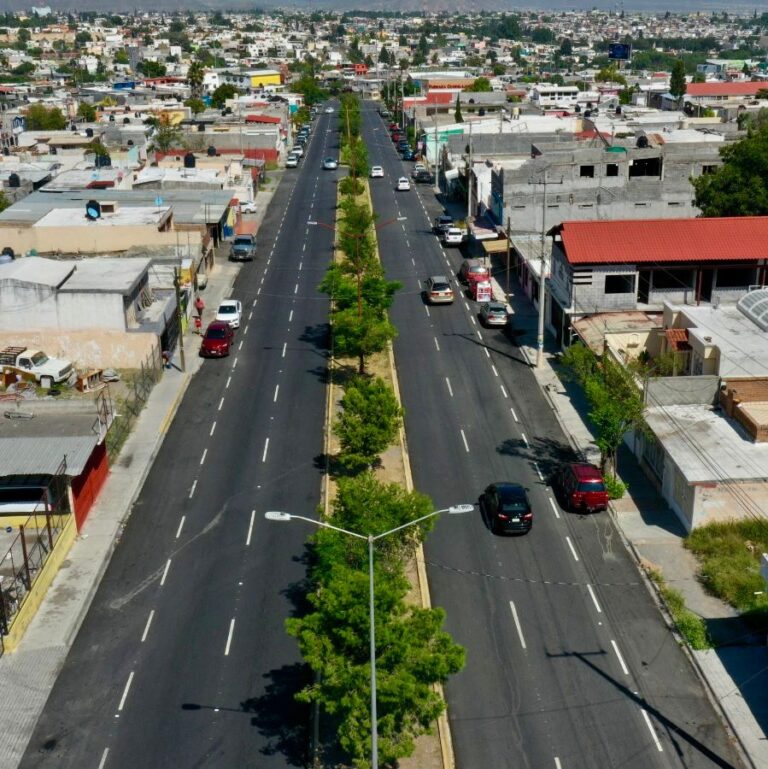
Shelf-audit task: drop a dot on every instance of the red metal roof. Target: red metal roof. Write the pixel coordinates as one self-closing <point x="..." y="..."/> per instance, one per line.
<point x="645" y="241"/>
<point x="723" y="89"/>
<point x="677" y="339"/>
<point x="261" y="119"/>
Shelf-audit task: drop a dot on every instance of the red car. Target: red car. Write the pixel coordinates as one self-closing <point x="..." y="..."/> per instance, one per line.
<point x="394" y="126"/>
<point x="217" y="340"/>
<point x="581" y="487"/>
<point x="473" y="271"/>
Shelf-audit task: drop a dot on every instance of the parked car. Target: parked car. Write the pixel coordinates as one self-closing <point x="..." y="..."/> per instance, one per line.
<point x="230" y="311"/>
<point x="297" y="149"/>
<point x="330" y="164"/>
<point x="403" y="184"/>
<point x="393" y="127"/>
<point x="580" y="487"/>
<point x="438" y="290"/>
<point x="217" y="340"/>
<point x="292" y="161"/>
<point x="408" y="154"/>
<point x="423" y="177"/>
<point x="442" y="223"/>
<point x="402" y="145"/>
<point x="417" y="168"/>
<point x="248" y="207"/>
<point x="35" y="364"/>
<point x="472" y="271"/>
<point x="396" y="136"/>
<point x="452" y="236"/>
<point x="377" y="172"/>
<point x="243" y="248"/>
<point x="493" y="314"/>
<point x="301" y="139"/>
<point x="507" y="508"/>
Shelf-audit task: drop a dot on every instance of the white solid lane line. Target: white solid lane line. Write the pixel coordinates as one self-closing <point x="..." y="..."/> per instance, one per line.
<point x="266" y="448"/>
<point x="146" y="627"/>
<point x="651" y="730"/>
<point x="554" y="507"/>
<point x="464" y="438"/>
<point x="450" y="389"/>
<point x="202" y="459"/>
<point x="623" y="664"/>
<point x="125" y="692"/>
<point x="573" y="549"/>
<point x="285" y="345"/>
<point x="277" y="389"/>
<point x="503" y="391"/>
<point x="165" y="572"/>
<point x="229" y="636"/>
<point x="192" y="490"/>
<point x="181" y="526"/>
<point x="558" y="765"/>
<point x="517" y="623"/>
<point x="221" y="403"/>
<point x="213" y="427"/>
<point x="250" y="528"/>
<point x="437" y="345"/>
<point x="594" y="599"/>
<point x="103" y="758"/>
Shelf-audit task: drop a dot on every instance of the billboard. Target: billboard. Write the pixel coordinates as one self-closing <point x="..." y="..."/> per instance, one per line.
<point x="620" y="51"/>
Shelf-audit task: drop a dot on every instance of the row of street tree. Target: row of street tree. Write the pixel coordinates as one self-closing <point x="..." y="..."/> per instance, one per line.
<point x="413" y="653"/>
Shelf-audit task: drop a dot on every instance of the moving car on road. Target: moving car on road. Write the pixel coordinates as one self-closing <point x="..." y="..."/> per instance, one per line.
<point x="403" y="185"/>
<point x="230" y="311"/>
<point x="493" y="314"/>
<point x="439" y="290"/>
<point x="217" y="340"/>
<point x="329" y="110"/>
<point x="377" y="172"/>
<point x="580" y="487"/>
<point x="330" y="164"/>
<point x="506" y="508"/>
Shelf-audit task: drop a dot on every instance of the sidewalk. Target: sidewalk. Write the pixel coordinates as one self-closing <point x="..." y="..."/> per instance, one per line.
<point x="28" y="675"/>
<point x="736" y="673"/>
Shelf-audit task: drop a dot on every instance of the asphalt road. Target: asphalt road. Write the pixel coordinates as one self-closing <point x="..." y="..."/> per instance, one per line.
<point x="569" y="664"/>
<point x="183" y="660"/>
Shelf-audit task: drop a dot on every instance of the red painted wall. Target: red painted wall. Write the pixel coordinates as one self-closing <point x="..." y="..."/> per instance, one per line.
<point x="87" y="485"/>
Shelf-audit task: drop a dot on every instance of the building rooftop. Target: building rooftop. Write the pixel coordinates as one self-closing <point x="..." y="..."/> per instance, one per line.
<point x="659" y="241"/>
<point x="706" y="445"/>
<point x="37" y="270"/>
<point x="106" y="275"/>
<point x="125" y="216"/>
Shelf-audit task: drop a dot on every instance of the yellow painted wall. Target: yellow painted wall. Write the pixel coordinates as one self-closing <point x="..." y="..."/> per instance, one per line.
<point x="40" y="586"/>
<point x="268" y="79"/>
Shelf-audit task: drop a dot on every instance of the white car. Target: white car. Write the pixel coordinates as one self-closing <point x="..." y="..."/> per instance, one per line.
<point x="297" y="149"/>
<point x="248" y="207"/>
<point x="330" y="164"/>
<point x="292" y="161"/>
<point x="377" y="172"/>
<point x="329" y="110"/>
<point x="230" y="311"/>
<point x="453" y="236"/>
<point x="403" y="184"/>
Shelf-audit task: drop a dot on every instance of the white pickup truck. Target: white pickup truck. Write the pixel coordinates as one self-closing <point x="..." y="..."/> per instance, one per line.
<point x="46" y="371"/>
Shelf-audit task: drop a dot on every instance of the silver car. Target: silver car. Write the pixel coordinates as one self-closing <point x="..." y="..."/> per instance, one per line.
<point x="439" y="290"/>
<point x="493" y="314"/>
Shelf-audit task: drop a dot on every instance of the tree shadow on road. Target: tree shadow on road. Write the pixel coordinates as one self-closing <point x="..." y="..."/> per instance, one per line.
<point x="547" y="453"/>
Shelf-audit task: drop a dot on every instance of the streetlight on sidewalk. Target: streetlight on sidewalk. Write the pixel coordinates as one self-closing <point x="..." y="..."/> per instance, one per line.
<point x="274" y="515"/>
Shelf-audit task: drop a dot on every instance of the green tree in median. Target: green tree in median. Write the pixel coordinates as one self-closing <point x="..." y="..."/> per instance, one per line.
<point x="369" y="421"/>
<point x="740" y="186"/>
<point x="360" y="336"/>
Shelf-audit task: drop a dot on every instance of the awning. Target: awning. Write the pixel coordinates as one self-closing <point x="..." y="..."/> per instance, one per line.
<point x="495" y="246"/>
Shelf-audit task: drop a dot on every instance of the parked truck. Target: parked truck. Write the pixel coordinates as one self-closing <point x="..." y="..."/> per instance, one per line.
<point x="46" y="371"/>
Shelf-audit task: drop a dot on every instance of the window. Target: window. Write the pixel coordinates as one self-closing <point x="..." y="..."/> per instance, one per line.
<point x="735" y="277"/>
<point x="645" y="167"/>
<point x="675" y="279"/>
<point x="587" y="172"/>
<point x="619" y="284"/>
<point x="612" y="169"/>
<point x="708" y="170"/>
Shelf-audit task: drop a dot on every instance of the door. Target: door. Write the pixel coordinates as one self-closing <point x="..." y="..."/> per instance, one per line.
<point x="705" y="285"/>
<point x="643" y="286"/>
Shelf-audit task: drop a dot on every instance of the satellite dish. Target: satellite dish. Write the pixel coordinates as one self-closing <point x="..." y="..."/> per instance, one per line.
<point x="93" y="210"/>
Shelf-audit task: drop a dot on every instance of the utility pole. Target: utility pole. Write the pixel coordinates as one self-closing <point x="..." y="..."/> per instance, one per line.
<point x="542" y="269"/>
<point x="177" y="288"/>
<point x="469" y="179"/>
<point x="509" y="225"/>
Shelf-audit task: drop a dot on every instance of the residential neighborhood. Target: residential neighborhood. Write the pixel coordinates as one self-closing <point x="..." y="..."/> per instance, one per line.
<point x="542" y="235"/>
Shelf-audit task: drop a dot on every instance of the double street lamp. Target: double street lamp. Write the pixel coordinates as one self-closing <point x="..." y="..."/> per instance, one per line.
<point x="274" y="515"/>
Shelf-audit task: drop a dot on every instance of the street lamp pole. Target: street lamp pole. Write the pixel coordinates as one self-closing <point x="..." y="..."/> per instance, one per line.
<point x="274" y="515"/>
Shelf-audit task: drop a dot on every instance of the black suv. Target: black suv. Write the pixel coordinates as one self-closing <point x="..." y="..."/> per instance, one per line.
<point x="507" y="508"/>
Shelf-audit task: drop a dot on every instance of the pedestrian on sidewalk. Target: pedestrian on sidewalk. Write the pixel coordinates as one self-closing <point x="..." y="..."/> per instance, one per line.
<point x="199" y="306"/>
